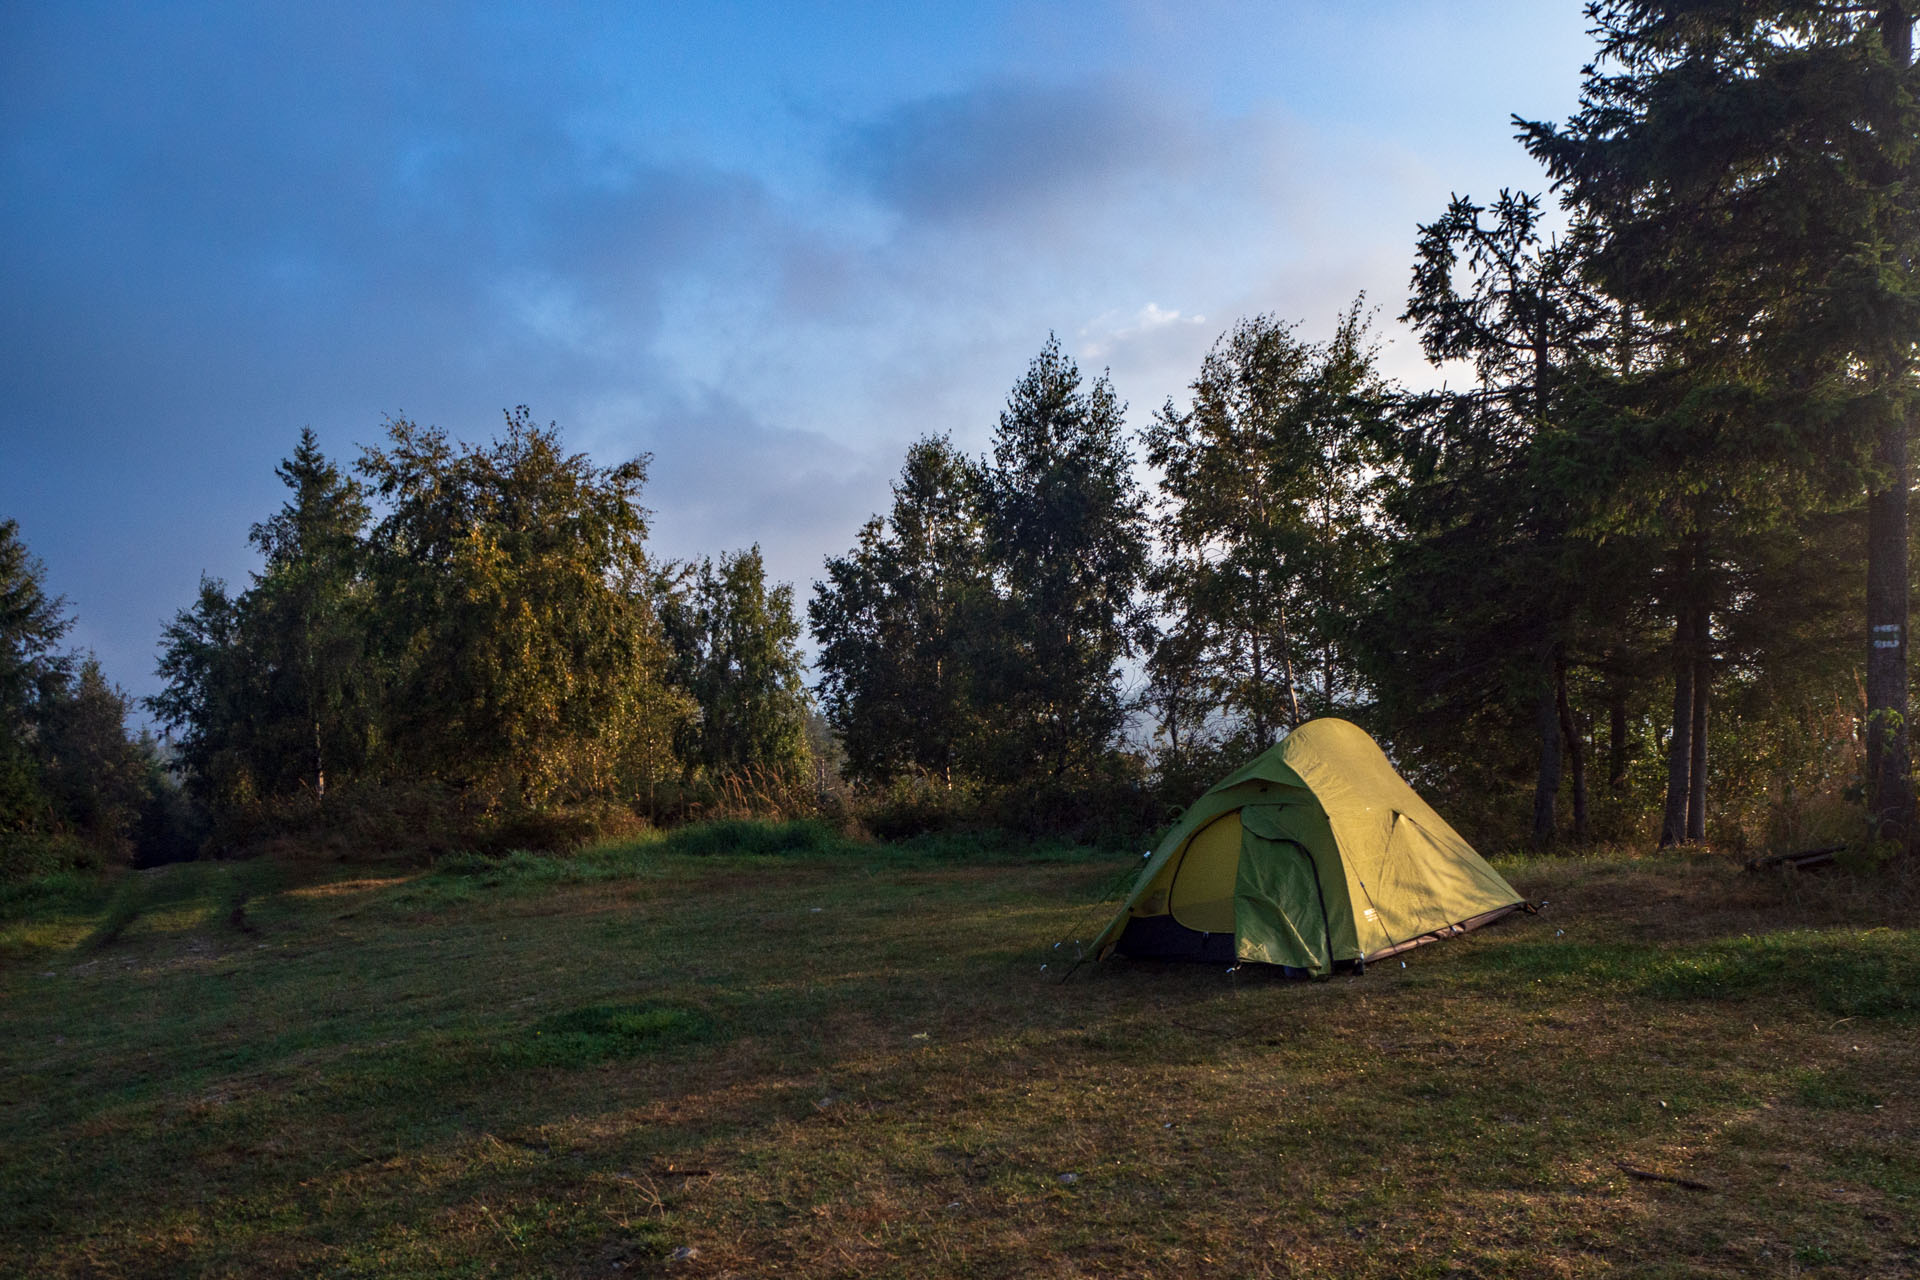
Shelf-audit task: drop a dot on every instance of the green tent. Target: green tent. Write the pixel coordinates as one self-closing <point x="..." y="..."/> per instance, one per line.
<point x="1314" y="856"/>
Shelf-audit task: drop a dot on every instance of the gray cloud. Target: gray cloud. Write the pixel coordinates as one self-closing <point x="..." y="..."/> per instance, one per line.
<point x="220" y="224"/>
<point x="1008" y="150"/>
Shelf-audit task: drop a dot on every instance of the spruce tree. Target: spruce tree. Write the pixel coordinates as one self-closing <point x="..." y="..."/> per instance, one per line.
<point x="307" y="624"/>
<point x="32" y="624"/>
<point x="1489" y="514"/>
<point x="96" y="776"/>
<point x="1751" y="169"/>
<point x="210" y="700"/>
<point x="1065" y="535"/>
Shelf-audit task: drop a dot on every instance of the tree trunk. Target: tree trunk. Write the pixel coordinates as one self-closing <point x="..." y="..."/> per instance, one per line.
<point x="1547" y="717"/>
<point x="1326" y="677"/>
<point x="311" y="679"/>
<point x="1673" y="825"/>
<point x="1257" y="667"/>
<point x="1286" y="668"/>
<point x="1326" y="540"/>
<point x="1697" y="757"/>
<point x="1576" y="750"/>
<point x="1889" y="776"/>
<point x="1547" y="789"/>
<point x="1617" y="738"/>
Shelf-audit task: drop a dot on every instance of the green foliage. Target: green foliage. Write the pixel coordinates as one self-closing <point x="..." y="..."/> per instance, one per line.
<point x="97" y="778"/>
<point x="271" y="691"/>
<point x="1065" y="536"/>
<point x="511" y="595"/>
<point x="912" y="804"/>
<point x="1490" y="593"/>
<point x="73" y="786"/>
<point x="32" y="624"/>
<point x="970" y="642"/>
<point x="29" y="854"/>
<point x="456" y="875"/>
<point x="308" y="630"/>
<point x="1268" y="529"/>
<point x="207" y="701"/>
<point x="1748" y="170"/>
<point x="487" y="648"/>
<point x="761" y="839"/>
<point x="898" y="618"/>
<point x="735" y="653"/>
<point x="1750" y="164"/>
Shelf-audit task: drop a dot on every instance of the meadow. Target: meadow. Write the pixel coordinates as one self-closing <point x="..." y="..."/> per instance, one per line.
<point x="758" y="1050"/>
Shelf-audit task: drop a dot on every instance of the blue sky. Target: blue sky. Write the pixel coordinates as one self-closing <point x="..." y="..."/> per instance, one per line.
<point x="768" y="243"/>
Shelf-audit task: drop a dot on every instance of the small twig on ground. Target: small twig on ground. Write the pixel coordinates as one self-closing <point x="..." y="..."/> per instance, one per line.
<point x="669" y="1171"/>
<point x="1648" y="1175"/>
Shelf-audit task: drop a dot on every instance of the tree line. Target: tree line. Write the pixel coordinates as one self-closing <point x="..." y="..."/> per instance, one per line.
<point x="478" y="628"/>
<point x="1681" y="437"/>
<point x="74" y="788"/>
<point x="498" y="630"/>
<point x="1641" y="559"/>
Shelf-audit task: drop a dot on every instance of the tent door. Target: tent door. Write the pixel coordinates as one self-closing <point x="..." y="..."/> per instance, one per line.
<point x="1280" y="915"/>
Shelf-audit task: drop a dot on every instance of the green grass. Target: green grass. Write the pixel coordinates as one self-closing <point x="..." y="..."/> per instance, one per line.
<point x="796" y="1055"/>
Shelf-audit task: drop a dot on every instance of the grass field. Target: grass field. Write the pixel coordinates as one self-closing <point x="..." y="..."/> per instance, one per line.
<point x="756" y="1052"/>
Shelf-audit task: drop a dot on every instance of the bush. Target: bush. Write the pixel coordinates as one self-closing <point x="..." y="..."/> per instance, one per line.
<point x="68" y="892"/>
<point x="28" y="854"/>
<point x="736" y="836"/>
<point x="915" y="805"/>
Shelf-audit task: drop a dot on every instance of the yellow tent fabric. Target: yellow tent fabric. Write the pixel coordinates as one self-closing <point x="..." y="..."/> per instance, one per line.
<point x="1315" y="854"/>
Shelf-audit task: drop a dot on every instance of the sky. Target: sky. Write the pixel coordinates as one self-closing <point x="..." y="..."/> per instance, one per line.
<point x="769" y="244"/>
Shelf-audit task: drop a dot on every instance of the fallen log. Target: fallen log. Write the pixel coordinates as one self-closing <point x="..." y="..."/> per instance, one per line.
<point x="1798" y="861"/>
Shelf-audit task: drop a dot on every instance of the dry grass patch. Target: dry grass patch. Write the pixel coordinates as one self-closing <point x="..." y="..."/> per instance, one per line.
<point x="851" y="1062"/>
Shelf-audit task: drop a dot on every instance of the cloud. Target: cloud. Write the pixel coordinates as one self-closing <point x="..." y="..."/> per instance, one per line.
<point x="1100" y="336"/>
<point x="219" y="224"/>
<point x="722" y="479"/>
<point x="1013" y="150"/>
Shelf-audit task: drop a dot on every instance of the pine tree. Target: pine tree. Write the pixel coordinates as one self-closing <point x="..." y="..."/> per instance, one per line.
<point x="210" y="700"/>
<point x="97" y="777"/>
<point x="32" y="624"/>
<point x="307" y="624"/>
<point x="67" y="767"/>
<point x="1751" y="170"/>
<point x="1489" y="514"/>
<point x="1065" y="537"/>
<point x="274" y="691"/>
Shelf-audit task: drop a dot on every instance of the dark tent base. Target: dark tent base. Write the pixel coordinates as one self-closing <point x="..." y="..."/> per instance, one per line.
<point x="1164" y="938"/>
